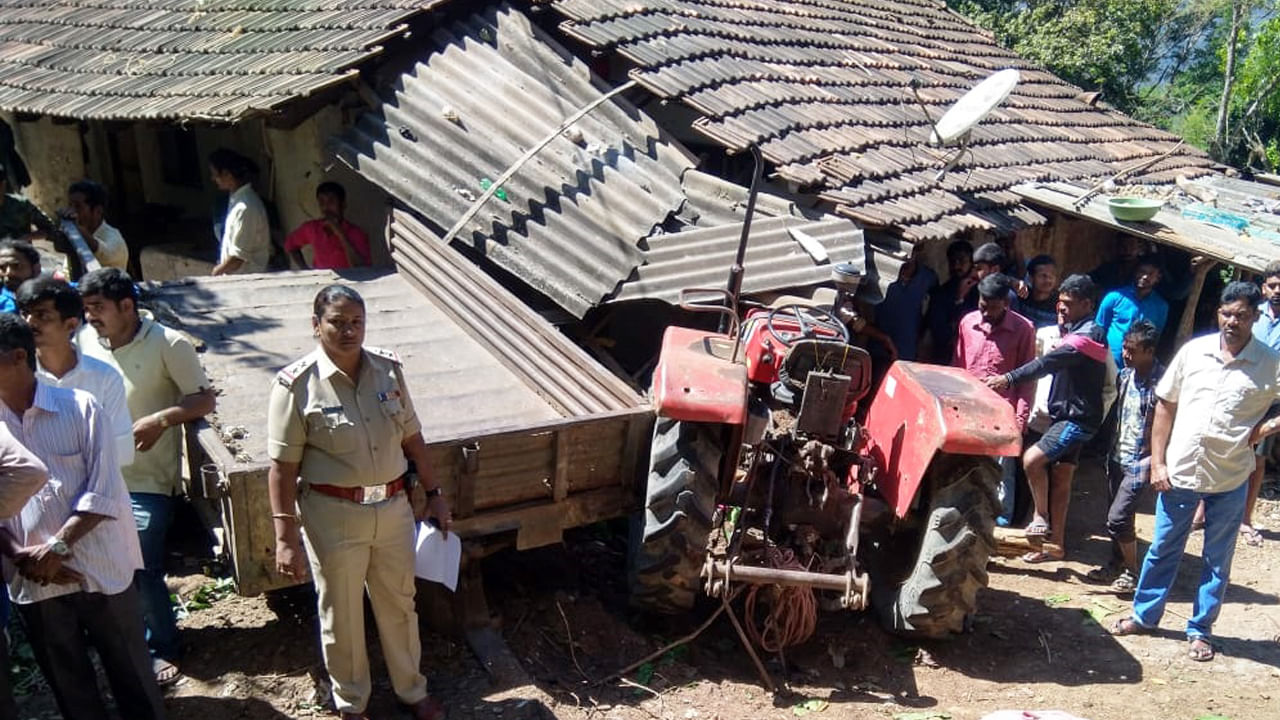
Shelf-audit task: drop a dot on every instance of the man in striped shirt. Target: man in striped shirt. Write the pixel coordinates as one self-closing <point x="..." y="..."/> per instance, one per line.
<point x="74" y="545"/>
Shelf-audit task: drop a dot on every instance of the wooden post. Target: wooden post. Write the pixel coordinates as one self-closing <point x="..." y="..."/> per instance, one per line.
<point x="1202" y="266"/>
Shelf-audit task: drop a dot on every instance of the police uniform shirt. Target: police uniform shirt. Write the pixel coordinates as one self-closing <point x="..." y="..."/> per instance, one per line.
<point x="341" y="432"/>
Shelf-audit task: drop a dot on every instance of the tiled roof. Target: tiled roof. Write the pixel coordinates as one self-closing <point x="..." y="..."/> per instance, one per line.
<point x="184" y="59"/>
<point x="824" y="88"/>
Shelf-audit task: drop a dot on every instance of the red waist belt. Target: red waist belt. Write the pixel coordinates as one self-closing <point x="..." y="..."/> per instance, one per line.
<point x="366" y="495"/>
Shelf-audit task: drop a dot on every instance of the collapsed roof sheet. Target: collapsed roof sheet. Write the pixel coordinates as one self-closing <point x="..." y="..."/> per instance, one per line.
<point x="569" y="222"/>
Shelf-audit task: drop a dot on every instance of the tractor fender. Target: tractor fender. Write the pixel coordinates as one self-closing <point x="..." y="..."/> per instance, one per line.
<point x="697" y="379"/>
<point x="921" y="410"/>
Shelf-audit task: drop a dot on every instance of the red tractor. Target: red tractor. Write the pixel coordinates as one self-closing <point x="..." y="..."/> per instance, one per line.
<point x="760" y="472"/>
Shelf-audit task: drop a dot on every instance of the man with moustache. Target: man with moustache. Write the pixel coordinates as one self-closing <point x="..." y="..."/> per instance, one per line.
<point x="1211" y="405"/>
<point x="165" y="386"/>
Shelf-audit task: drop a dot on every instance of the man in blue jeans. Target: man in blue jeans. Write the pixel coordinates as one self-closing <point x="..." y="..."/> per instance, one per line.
<point x="1209" y="413"/>
<point x="164" y="388"/>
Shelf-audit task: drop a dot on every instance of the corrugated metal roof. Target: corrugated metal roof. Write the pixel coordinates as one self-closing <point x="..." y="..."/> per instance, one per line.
<point x="493" y="86"/>
<point x="253" y="325"/>
<point x="187" y="59"/>
<point x="1168" y="227"/>
<point x="562" y="373"/>
<point x="701" y="257"/>
<point x="825" y="90"/>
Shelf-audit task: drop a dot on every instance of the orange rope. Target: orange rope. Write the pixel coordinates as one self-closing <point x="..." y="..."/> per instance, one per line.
<point x="793" y="617"/>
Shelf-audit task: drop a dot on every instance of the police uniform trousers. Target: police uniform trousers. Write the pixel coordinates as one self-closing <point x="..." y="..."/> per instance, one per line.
<point x="353" y="548"/>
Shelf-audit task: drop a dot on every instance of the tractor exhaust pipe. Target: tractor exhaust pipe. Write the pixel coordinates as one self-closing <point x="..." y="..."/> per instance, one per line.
<point x="735" y="272"/>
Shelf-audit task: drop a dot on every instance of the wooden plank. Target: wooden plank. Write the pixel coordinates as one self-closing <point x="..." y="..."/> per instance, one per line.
<point x="560" y="485"/>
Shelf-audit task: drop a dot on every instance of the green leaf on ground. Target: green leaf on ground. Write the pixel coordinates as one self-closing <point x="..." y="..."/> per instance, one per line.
<point x="674" y="655"/>
<point x="644" y="674"/>
<point x="1056" y="600"/>
<point x="926" y="715"/>
<point x="812" y="705"/>
<point x="1213" y="717"/>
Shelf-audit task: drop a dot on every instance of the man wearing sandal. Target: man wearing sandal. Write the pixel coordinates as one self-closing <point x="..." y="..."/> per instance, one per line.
<point x="1079" y="369"/>
<point x="1209" y="414"/>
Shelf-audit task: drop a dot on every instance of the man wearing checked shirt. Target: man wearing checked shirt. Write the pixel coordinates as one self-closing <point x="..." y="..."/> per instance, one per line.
<point x="74" y="544"/>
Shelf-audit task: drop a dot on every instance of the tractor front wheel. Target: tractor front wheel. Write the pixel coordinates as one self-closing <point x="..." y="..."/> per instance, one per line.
<point x="940" y="589"/>
<point x="668" y="552"/>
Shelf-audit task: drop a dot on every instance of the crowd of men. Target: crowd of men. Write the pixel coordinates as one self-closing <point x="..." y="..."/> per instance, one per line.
<point x="93" y="393"/>
<point x="1078" y="362"/>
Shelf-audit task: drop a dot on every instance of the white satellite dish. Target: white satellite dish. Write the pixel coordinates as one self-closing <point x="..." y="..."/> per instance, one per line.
<point x="955" y="125"/>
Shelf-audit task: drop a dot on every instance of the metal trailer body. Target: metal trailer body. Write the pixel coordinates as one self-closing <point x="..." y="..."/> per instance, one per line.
<point x="528" y="435"/>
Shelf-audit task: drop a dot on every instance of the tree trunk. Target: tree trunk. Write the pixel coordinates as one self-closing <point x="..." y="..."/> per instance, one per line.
<point x="1239" y="10"/>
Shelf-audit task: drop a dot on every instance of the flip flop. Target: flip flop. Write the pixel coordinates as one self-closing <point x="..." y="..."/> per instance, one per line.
<point x="166" y="672"/>
<point x="1037" y="529"/>
<point x="1127" y="626"/>
<point x="1035" y="557"/>
<point x="1252" y="537"/>
<point x="1199" y="648"/>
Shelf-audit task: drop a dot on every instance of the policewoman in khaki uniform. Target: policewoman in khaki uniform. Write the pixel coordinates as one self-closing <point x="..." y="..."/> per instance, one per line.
<point x="340" y="430"/>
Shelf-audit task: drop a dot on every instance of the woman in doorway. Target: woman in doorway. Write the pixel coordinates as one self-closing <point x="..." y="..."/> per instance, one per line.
<point x="341" y="429"/>
<point x="246" y="236"/>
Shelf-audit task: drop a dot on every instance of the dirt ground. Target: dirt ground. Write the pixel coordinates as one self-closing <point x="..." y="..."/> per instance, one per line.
<point x="1036" y="644"/>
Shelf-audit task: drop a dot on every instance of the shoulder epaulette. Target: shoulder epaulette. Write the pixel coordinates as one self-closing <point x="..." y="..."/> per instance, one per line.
<point x="296" y="369"/>
<point x="384" y="354"/>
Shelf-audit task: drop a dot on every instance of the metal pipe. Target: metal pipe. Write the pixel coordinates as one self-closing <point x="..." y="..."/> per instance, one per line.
<point x="775" y="576"/>
<point x="736" y="272"/>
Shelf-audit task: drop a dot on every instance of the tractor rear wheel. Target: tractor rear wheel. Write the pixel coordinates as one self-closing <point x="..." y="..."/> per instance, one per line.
<point x="668" y="553"/>
<point x="940" y="589"/>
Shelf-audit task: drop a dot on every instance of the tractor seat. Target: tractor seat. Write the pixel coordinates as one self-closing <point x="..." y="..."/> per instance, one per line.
<point x="833" y="356"/>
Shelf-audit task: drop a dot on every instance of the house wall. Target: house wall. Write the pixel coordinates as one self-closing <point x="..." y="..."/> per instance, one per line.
<point x="55" y="158"/>
<point x="300" y="161"/>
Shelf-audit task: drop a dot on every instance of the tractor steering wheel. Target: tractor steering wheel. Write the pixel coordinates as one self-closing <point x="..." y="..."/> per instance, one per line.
<point x="810" y="319"/>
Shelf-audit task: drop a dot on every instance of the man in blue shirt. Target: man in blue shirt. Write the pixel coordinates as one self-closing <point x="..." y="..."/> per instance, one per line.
<point x="1139" y="301"/>
<point x="901" y="314"/>
<point x="1041" y="304"/>
<point x="1267" y="331"/>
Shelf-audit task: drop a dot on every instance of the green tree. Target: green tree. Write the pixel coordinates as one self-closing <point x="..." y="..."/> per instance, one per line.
<point x="1208" y="70"/>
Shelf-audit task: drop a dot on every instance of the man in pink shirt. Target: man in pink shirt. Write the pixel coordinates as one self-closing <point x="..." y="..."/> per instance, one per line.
<point x="992" y="341"/>
<point x="335" y="243"/>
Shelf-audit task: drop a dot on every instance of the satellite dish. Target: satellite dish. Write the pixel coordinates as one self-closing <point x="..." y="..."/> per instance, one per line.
<point x="955" y="125"/>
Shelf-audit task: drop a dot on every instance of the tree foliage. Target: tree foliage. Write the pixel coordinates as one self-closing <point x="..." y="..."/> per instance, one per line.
<point x="1163" y="61"/>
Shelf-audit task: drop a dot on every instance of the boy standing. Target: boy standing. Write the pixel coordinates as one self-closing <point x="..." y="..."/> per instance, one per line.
<point x="1129" y="467"/>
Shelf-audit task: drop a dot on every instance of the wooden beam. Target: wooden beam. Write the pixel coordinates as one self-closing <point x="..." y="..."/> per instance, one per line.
<point x="1187" y="323"/>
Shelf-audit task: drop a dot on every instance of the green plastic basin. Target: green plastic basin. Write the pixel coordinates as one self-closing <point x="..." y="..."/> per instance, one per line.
<point x="1133" y="209"/>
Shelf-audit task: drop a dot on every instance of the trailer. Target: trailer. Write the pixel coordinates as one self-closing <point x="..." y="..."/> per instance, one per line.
<point x="528" y="435"/>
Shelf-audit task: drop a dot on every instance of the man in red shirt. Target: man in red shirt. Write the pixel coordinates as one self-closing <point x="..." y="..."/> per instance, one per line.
<point x="994" y="340"/>
<point x="335" y="243"/>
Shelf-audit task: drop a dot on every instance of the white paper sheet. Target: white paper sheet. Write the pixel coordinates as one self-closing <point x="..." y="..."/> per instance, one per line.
<point x="438" y="557"/>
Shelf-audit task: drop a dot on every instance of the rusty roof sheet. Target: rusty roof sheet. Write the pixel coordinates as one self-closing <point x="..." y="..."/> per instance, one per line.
<point x="701" y="257"/>
<point x="217" y="60"/>
<point x="824" y="88"/>
<point x="491" y="87"/>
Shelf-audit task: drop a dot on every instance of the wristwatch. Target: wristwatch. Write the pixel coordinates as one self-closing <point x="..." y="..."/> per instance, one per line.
<point x="435" y="492"/>
<point x="59" y="547"/>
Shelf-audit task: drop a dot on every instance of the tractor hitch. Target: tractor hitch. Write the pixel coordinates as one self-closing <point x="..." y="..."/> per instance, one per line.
<point x="854" y="587"/>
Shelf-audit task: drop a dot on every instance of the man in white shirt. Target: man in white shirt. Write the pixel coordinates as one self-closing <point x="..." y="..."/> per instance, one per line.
<point x="21" y="475"/>
<point x="55" y="312"/>
<point x="88" y="206"/>
<point x="1209" y="414"/>
<point x="74" y="545"/>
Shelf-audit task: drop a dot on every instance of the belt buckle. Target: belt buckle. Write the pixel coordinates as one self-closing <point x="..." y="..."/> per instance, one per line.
<point x="373" y="494"/>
